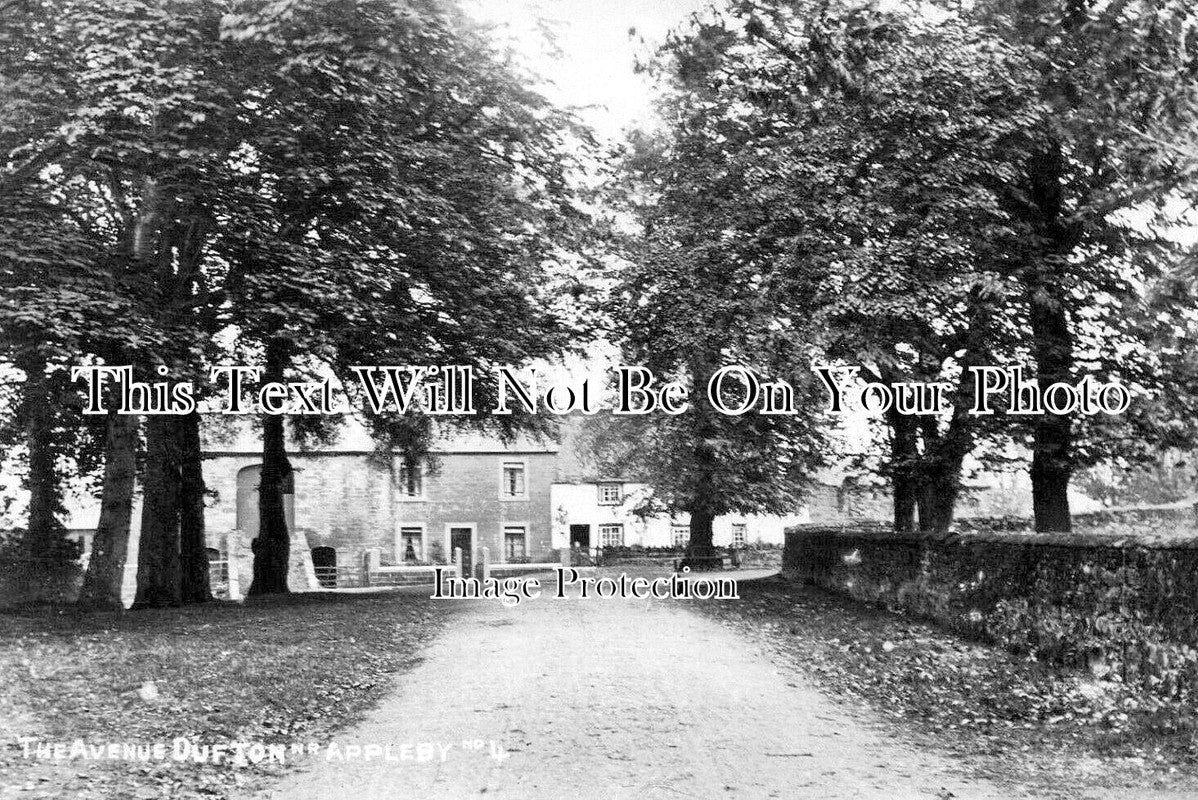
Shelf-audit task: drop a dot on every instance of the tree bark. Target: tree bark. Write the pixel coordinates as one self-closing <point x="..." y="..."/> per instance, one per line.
<point x="158" y="563"/>
<point x="939" y="473"/>
<point x="1052" y="345"/>
<point x="938" y="492"/>
<point x="196" y="586"/>
<point x="903" y="482"/>
<point x="1052" y="441"/>
<point x="272" y="547"/>
<point x="44" y="533"/>
<point x="700" y="549"/>
<point x="106" y="567"/>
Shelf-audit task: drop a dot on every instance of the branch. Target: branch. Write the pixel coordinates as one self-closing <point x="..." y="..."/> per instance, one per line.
<point x="15" y="180"/>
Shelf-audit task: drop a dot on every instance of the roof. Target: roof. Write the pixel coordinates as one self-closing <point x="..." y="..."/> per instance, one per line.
<point x="242" y="436"/>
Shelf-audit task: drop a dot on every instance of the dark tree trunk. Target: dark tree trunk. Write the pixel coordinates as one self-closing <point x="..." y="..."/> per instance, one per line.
<point x="106" y="567"/>
<point x="939" y="473"/>
<point x="158" y="565"/>
<point x="700" y="550"/>
<point x="193" y="549"/>
<point x="903" y="482"/>
<point x="1052" y="461"/>
<point x="44" y="534"/>
<point x="1052" y="440"/>
<point x="272" y="547"/>
<point x="938" y="493"/>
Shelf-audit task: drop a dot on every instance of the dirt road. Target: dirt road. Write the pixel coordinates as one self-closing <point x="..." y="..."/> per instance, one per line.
<point x="613" y="699"/>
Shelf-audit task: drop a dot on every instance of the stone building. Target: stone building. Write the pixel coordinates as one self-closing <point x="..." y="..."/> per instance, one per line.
<point x="354" y="510"/>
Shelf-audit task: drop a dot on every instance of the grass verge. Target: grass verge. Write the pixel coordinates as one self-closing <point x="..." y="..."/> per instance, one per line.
<point x="1001" y="716"/>
<point x="289" y="670"/>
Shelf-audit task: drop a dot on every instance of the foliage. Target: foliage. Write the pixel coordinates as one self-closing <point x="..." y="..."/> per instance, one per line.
<point x="918" y="193"/>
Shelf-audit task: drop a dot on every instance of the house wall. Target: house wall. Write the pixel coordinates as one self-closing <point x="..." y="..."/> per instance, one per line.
<point x="353" y="503"/>
<point x="578" y="504"/>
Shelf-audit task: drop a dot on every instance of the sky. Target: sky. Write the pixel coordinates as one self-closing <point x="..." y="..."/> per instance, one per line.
<point x="594" y="68"/>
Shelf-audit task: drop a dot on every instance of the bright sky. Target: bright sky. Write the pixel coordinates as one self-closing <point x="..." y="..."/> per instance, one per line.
<point x="594" y="65"/>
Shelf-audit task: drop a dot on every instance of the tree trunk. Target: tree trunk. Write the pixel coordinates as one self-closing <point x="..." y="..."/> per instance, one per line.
<point x="700" y="550"/>
<point x="106" y="567"/>
<point x="903" y="483"/>
<point x="1052" y="462"/>
<point x="1052" y="345"/>
<point x="939" y="473"/>
<point x="158" y="564"/>
<point x="272" y="547"/>
<point x="193" y="548"/>
<point x="1052" y="440"/>
<point x="44" y="534"/>
<point x="938" y="492"/>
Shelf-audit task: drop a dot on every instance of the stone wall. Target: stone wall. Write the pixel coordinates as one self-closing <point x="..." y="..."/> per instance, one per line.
<point x="1120" y="606"/>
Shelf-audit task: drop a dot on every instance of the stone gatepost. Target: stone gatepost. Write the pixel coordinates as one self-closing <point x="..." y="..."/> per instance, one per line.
<point x="371" y="561"/>
<point x="485" y="562"/>
<point x="457" y="562"/>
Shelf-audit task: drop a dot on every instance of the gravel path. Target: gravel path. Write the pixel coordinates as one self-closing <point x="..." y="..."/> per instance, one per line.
<point x="613" y="699"/>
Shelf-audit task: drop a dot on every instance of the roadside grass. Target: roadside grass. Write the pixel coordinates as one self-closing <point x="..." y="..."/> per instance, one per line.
<point x="1002" y="716"/>
<point x="288" y="670"/>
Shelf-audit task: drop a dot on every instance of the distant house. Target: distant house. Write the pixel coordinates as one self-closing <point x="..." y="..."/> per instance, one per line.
<point x="602" y="513"/>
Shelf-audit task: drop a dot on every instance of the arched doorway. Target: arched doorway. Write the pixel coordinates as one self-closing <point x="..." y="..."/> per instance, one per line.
<point x="247" y="501"/>
<point x="324" y="563"/>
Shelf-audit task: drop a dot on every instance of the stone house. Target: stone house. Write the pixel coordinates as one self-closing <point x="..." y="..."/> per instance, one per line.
<point x="354" y="510"/>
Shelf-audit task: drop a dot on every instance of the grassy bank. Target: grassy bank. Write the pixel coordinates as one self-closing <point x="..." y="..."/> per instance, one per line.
<point x="1000" y="714"/>
<point x="290" y="670"/>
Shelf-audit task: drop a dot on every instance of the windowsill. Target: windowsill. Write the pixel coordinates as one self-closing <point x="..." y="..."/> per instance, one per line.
<point x="409" y="499"/>
<point x="512" y="498"/>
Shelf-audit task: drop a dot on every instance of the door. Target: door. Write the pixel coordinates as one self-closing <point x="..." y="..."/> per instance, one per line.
<point x="580" y="535"/>
<point x="463" y="538"/>
<point x="324" y="564"/>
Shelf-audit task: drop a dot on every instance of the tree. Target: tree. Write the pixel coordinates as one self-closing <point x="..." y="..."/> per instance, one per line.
<point x="1118" y="85"/>
<point x="688" y="302"/>
<point x="885" y="163"/>
<point x="851" y="145"/>
<point x="414" y="200"/>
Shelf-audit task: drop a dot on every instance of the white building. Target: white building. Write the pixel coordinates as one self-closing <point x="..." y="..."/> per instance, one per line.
<point x="601" y="514"/>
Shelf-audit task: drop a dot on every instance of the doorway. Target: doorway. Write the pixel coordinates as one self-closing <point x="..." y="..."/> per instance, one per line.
<point x="324" y="564"/>
<point x="580" y="535"/>
<point x="463" y="537"/>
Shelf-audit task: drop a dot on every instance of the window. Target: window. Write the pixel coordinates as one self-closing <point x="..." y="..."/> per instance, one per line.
<point x="411" y="481"/>
<point x="739" y="530"/>
<point x="680" y="534"/>
<point x="411" y="544"/>
<point x="611" y="535"/>
<point x="515" y="542"/>
<point x="513" y="486"/>
<point x="609" y="494"/>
